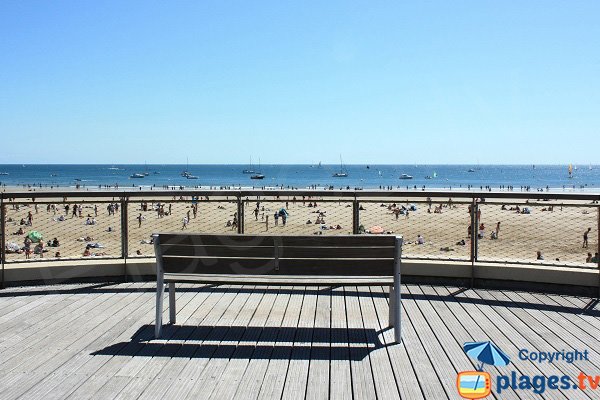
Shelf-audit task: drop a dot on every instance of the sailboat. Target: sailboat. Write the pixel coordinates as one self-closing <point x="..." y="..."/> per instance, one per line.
<point x="570" y="171"/>
<point x="249" y="170"/>
<point x="590" y="167"/>
<point x="342" y="173"/>
<point x="185" y="172"/>
<point x="431" y="176"/>
<point x="257" y="175"/>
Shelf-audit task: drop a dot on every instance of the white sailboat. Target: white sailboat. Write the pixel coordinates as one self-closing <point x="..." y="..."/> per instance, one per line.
<point x="342" y="173"/>
<point x="257" y="175"/>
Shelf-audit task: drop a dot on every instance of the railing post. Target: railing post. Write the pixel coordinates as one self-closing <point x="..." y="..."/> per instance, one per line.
<point x="355" y="216"/>
<point x="124" y="229"/>
<point x="474" y="237"/>
<point x="2" y="239"/>
<point x="240" y="214"/>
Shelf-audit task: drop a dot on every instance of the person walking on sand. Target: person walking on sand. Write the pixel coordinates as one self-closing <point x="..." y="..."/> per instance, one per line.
<point x="140" y="218"/>
<point x="267" y="222"/>
<point x="497" y="229"/>
<point x="276" y="216"/>
<point x="256" y="213"/>
<point x="585" y="238"/>
<point x="185" y="222"/>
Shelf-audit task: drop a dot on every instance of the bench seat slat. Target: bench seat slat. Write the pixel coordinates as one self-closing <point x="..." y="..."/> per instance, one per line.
<point x="268" y="266"/>
<point x="268" y="240"/>
<point x="283" y="280"/>
<point x="283" y="251"/>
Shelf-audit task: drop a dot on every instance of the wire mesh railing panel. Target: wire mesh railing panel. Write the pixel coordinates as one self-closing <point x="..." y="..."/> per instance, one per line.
<point x="185" y="215"/>
<point x="309" y="216"/>
<point x="430" y="229"/>
<point x="543" y="232"/>
<point x="62" y="230"/>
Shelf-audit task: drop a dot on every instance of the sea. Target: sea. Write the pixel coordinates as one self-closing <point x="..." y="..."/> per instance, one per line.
<point x="555" y="177"/>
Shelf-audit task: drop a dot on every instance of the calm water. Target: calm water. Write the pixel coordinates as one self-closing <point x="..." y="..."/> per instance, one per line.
<point x="302" y="176"/>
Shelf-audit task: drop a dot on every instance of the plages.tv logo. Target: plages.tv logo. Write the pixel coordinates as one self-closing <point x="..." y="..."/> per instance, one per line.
<point x="478" y="384"/>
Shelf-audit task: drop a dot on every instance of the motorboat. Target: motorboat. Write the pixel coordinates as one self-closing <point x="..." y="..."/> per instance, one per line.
<point x="471" y="170"/>
<point x="191" y="176"/>
<point x="405" y="176"/>
<point x="257" y="176"/>
<point x="3" y="173"/>
<point x="137" y="176"/>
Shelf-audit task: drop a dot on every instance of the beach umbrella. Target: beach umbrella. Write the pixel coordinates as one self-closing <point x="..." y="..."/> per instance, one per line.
<point x="35" y="236"/>
<point x="486" y="353"/>
<point x="376" y="230"/>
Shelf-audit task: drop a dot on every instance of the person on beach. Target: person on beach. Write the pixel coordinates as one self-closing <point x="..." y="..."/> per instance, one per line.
<point x="497" y="229"/>
<point x="267" y="222"/>
<point x="185" y="222"/>
<point x="276" y="217"/>
<point x="140" y="218"/>
<point x="585" y="238"/>
<point x="420" y="239"/>
<point x="588" y="259"/>
<point x="539" y="255"/>
<point x="256" y="213"/>
<point x="595" y="258"/>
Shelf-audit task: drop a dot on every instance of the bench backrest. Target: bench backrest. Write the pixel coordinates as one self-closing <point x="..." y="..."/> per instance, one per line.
<point x="343" y="255"/>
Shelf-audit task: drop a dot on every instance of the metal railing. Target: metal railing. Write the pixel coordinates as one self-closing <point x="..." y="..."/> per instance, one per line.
<point x="500" y="227"/>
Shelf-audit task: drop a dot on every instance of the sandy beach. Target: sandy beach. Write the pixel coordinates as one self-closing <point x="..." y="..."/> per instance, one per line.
<point x="558" y="234"/>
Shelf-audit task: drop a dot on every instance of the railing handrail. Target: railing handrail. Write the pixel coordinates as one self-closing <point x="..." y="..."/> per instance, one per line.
<point x="350" y="194"/>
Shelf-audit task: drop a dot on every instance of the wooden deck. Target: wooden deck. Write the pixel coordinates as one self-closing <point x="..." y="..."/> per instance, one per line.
<point x="82" y="341"/>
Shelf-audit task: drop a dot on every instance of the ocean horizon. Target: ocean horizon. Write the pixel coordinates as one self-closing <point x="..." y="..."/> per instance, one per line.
<point x="366" y="176"/>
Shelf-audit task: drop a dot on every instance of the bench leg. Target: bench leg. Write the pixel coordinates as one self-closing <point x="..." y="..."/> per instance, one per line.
<point x="394" y="317"/>
<point x="392" y="307"/>
<point x="160" y="292"/>
<point x="172" y="309"/>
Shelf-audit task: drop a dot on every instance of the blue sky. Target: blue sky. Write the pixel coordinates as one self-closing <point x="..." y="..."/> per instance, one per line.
<point x="298" y="82"/>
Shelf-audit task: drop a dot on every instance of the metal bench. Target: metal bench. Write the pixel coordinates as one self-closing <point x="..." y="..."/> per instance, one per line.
<point x="346" y="260"/>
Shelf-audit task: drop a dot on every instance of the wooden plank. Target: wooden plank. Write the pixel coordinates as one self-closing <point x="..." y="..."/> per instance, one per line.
<point x="67" y="344"/>
<point x="178" y="376"/>
<point x="340" y="380"/>
<point x="285" y="266"/>
<point x="576" y="308"/>
<point x="232" y="372"/>
<point x="429" y="383"/>
<point x="225" y="346"/>
<point x="269" y="240"/>
<point x="462" y="326"/>
<point x="550" y="335"/>
<point x="508" y="337"/>
<point x="148" y="363"/>
<point x="279" y="280"/>
<point x="315" y="252"/>
<point x="275" y="376"/>
<point x="297" y="372"/>
<point x="445" y="370"/>
<point x="406" y="380"/>
<point x="318" y="374"/>
<point x="363" y="386"/>
<point x="29" y="346"/>
<point x="381" y="367"/>
<point x="253" y="376"/>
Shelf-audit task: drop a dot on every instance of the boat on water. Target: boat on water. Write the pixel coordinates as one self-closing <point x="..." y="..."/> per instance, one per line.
<point x="406" y="176"/>
<point x="189" y="176"/>
<point x="257" y="175"/>
<point x="342" y="173"/>
<point x="471" y="170"/>
<point x="570" y="171"/>
<point x="137" y="176"/>
<point x="186" y="173"/>
<point x="431" y="176"/>
<point x="3" y="173"/>
<point x="248" y="170"/>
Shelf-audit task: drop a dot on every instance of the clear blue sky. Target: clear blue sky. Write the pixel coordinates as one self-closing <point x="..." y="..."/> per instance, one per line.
<point x="298" y="82"/>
